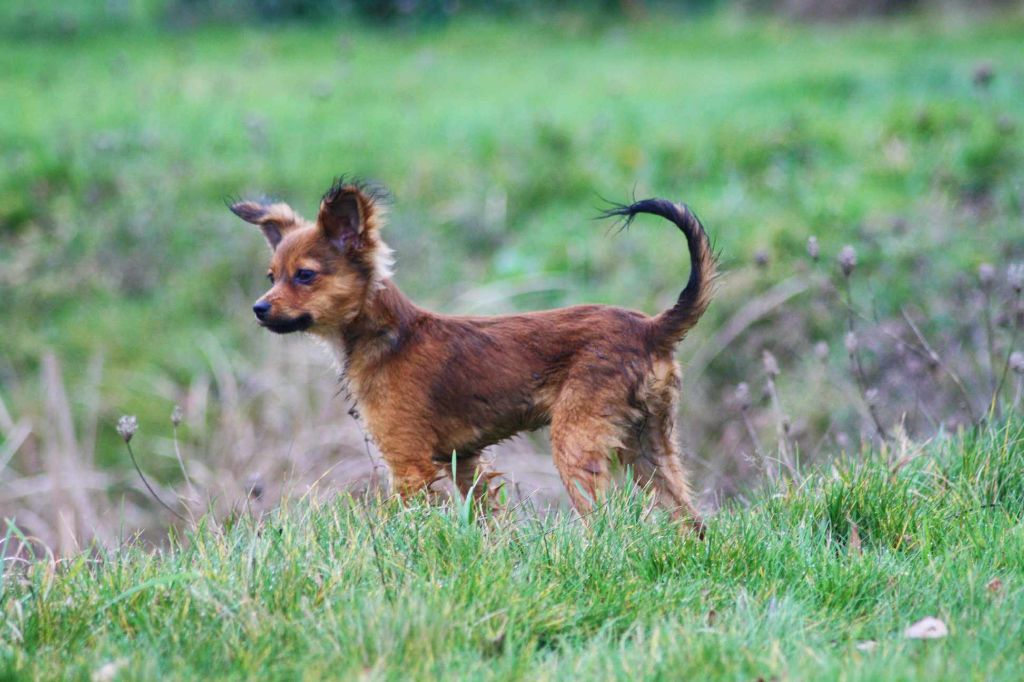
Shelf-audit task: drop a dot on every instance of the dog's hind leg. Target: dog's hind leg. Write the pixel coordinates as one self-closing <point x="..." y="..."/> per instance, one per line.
<point x="662" y="473"/>
<point x="657" y="464"/>
<point x="658" y="468"/>
<point x="584" y="438"/>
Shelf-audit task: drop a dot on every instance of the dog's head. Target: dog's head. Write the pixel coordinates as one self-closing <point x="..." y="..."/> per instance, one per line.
<point x="322" y="272"/>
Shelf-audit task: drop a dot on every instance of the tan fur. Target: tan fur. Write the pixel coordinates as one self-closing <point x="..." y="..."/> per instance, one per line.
<point x="431" y="385"/>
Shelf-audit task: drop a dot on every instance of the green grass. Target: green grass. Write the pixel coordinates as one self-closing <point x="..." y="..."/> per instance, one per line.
<point x="776" y="590"/>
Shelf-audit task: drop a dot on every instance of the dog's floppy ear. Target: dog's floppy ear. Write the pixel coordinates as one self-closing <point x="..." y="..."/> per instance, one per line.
<point x="274" y="219"/>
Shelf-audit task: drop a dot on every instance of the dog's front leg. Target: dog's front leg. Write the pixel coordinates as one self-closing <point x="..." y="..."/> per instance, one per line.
<point x="411" y="475"/>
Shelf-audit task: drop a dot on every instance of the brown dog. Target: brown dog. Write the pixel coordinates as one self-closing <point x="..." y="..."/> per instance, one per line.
<point x="431" y="385"/>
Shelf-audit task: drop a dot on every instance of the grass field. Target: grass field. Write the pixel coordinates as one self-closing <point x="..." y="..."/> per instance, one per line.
<point x="814" y="580"/>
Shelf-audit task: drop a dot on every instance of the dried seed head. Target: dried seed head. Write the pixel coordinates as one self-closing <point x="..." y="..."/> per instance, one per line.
<point x="1017" y="362"/>
<point x="771" y="365"/>
<point x="813" y="250"/>
<point x="871" y="396"/>
<point x="176" y="415"/>
<point x="842" y="440"/>
<point x="847" y="260"/>
<point x="986" y="275"/>
<point x="1015" y="277"/>
<point x="761" y="258"/>
<point x="743" y="395"/>
<point x="821" y="351"/>
<point x="127" y="426"/>
<point x="851" y="343"/>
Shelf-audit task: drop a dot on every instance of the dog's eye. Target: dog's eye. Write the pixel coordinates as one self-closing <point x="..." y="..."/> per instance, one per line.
<point x="270" y="276"/>
<point x="304" y="276"/>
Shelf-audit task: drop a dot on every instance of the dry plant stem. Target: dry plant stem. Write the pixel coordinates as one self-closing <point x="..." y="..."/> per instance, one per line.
<point x="6" y="422"/>
<point x="523" y="499"/>
<point x="822" y="440"/>
<point x="937" y="359"/>
<point x="65" y="458"/>
<point x="181" y="462"/>
<point x="781" y="427"/>
<point x="149" y="487"/>
<point x="758" y="450"/>
<point x="14" y="439"/>
<point x="923" y="409"/>
<point x="858" y="368"/>
<point x="1006" y="364"/>
<point x="752" y="312"/>
<point x="94" y="376"/>
<point x="925" y="354"/>
<point x="990" y="339"/>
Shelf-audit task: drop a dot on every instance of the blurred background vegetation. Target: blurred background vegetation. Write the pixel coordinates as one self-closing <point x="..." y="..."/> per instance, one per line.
<point x="891" y="125"/>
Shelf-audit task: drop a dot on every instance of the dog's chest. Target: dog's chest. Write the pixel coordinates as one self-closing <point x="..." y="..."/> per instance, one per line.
<point x="336" y="349"/>
<point x="357" y="379"/>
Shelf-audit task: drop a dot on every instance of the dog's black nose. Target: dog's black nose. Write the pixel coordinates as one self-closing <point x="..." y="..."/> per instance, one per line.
<point x="262" y="310"/>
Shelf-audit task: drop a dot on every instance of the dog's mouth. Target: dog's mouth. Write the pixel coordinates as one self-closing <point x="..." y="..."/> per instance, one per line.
<point x="287" y="325"/>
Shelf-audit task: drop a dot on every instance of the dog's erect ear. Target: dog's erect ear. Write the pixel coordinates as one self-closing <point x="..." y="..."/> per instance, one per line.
<point x="276" y="220"/>
<point x="349" y="215"/>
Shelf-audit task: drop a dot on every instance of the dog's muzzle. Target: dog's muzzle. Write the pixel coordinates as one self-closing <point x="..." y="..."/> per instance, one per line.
<point x="287" y="325"/>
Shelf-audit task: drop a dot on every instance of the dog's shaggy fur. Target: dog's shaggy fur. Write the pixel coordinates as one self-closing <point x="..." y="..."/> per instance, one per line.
<point x="428" y="385"/>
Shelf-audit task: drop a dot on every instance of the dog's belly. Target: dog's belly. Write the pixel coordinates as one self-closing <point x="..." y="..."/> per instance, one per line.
<point x="480" y="426"/>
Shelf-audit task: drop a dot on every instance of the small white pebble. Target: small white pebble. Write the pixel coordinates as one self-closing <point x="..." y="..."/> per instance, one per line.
<point x="927" y="628"/>
<point x="108" y="671"/>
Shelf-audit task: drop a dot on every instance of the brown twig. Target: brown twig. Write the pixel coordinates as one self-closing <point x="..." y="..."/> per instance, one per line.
<point x="175" y="420"/>
<point x="1009" y="353"/>
<point x="782" y="423"/>
<point x="986" y="275"/>
<point x="852" y="348"/>
<point x="743" y="397"/>
<point x="145" y="482"/>
<point x="936" y="359"/>
<point x="755" y="310"/>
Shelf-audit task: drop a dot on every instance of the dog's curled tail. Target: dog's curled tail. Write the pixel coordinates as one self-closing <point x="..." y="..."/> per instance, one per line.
<point x="671" y="326"/>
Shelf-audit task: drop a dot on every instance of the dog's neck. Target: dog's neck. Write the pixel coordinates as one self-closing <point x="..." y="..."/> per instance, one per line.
<point x="385" y="322"/>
